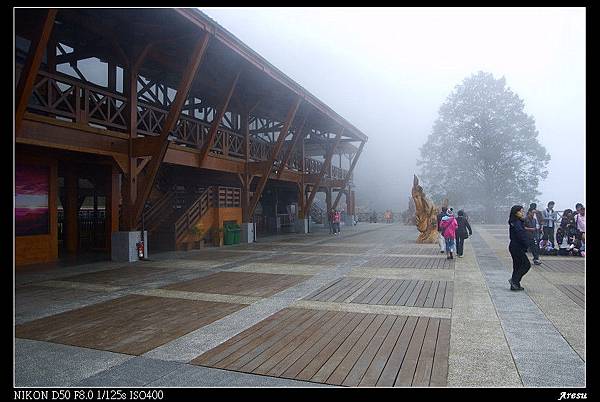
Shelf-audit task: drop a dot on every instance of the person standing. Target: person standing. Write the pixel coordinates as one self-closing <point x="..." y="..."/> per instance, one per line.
<point x="461" y="232"/>
<point x="449" y="226"/>
<point x="580" y="224"/>
<point x="519" y="242"/>
<point x="337" y="216"/>
<point x="531" y="227"/>
<point x="549" y="222"/>
<point x="441" y="239"/>
<point x="330" y="220"/>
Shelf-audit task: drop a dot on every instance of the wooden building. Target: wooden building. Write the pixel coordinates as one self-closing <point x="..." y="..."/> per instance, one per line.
<point x="163" y="119"/>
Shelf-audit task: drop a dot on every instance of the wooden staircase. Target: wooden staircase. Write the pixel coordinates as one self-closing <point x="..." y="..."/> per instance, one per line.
<point x="172" y="216"/>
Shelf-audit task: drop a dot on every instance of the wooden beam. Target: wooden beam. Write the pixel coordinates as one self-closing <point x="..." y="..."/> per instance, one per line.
<point x="276" y="149"/>
<point x="297" y="135"/>
<point x="171" y="119"/>
<point x="212" y="133"/>
<point x="337" y="199"/>
<point x="32" y="66"/>
<point x="324" y="168"/>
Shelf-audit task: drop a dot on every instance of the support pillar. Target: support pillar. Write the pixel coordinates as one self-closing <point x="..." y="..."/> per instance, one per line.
<point x="71" y="210"/>
<point x="302" y="226"/>
<point x="113" y="194"/>
<point x="248" y="232"/>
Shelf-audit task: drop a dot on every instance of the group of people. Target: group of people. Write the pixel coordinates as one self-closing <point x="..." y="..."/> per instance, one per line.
<point x="525" y="231"/>
<point x="453" y="231"/>
<point x="542" y="228"/>
<point x="334" y="218"/>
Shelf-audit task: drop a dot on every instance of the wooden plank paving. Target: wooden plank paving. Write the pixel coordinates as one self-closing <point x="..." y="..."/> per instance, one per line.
<point x="339" y="348"/>
<point x="411" y="250"/>
<point x="575" y="293"/>
<point x="308" y="259"/>
<point x="220" y="255"/>
<point x="239" y="283"/>
<point x="567" y="265"/>
<point x="409" y="262"/>
<point x="132" y="324"/>
<point x="125" y="276"/>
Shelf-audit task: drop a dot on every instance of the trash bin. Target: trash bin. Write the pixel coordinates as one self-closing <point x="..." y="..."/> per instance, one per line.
<point x="236" y="230"/>
<point x="228" y="235"/>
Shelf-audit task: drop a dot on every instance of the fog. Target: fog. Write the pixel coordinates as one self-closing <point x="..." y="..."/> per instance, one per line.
<point x="388" y="70"/>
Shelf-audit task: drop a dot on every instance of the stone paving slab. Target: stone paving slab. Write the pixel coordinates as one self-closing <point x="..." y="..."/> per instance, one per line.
<point x="135" y="372"/>
<point x="529" y="333"/>
<point x="44" y="364"/>
<point x="33" y="302"/>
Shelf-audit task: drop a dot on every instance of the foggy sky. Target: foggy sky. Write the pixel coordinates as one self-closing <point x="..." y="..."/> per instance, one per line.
<point x="388" y="70"/>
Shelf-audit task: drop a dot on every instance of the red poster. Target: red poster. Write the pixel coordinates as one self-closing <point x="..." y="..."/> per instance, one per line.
<point x="32" y="216"/>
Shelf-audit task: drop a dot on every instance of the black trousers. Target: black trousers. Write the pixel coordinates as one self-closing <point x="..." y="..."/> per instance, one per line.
<point x="534" y="248"/>
<point x="550" y="233"/>
<point x="460" y="242"/>
<point x="521" y="263"/>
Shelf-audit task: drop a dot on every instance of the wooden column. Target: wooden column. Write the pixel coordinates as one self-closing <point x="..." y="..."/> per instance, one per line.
<point x="245" y="178"/>
<point x="269" y="166"/>
<point x="129" y="190"/>
<point x="32" y="65"/>
<point x="113" y="193"/>
<point x="347" y="179"/>
<point x="328" y="199"/>
<point x="297" y="135"/>
<point x="302" y="193"/>
<point x="71" y="211"/>
<point x="162" y="142"/>
<point x="212" y="132"/>
<point x="326" y="164"/>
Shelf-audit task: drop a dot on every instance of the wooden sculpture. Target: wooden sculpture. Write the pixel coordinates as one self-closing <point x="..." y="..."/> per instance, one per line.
<point x="425" y="215"/>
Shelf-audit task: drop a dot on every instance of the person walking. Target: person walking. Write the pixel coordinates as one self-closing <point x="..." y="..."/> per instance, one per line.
<point x="449" y="226"/>
<point x="337" y="216"/>
<point x="532" y="229"/>
<point x="441" y="239"/>
<point x="549" y="222"/>
<point x="461" y="232"/>
<point x="519" y="242"/>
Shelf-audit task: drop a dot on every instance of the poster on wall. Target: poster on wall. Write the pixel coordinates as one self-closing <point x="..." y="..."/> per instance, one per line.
<point x="32" y="216"/>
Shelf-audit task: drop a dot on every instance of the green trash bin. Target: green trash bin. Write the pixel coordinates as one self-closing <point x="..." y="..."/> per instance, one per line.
<point x="236" y="233"/>
<point x="228" y="235"/>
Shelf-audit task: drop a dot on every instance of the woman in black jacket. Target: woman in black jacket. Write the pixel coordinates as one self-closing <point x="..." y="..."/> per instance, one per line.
<point x="519" y="243"/>
<point x="461" y="232"/>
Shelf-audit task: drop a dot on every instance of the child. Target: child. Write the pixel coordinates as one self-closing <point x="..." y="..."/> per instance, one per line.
<point x="448" y="225"/>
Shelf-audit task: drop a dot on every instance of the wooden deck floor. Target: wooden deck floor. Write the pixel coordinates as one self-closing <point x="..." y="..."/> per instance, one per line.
<point x="239" y="283"/>
<point x="566" y="265"/>
<point x="412" y="293"/>
<point x="409" y="262"/>
<point x="575" y="293"/>
<point x="131" y="324"/>
<point x="340" y="348"/>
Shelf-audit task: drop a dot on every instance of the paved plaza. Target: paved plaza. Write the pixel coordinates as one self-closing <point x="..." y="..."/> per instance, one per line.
<point x="367" y="308"/>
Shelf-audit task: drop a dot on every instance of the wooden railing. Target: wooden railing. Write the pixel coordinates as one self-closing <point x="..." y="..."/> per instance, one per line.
<point x="191" y="215"/>
<point x="152" y="217"/>
<point x="212" y="197"/>
<point x="312" y="166"/>
<point x="62" y="96"/>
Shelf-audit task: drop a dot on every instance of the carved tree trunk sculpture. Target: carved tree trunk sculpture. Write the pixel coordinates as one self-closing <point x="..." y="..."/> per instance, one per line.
<point x="425" y="215"/>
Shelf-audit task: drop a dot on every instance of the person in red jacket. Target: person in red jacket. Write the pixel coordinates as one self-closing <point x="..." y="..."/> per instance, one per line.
<point x="448" y="225"/>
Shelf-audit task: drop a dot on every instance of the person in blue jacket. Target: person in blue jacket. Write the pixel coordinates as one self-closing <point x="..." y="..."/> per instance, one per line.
<point x="519" y="242"/>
